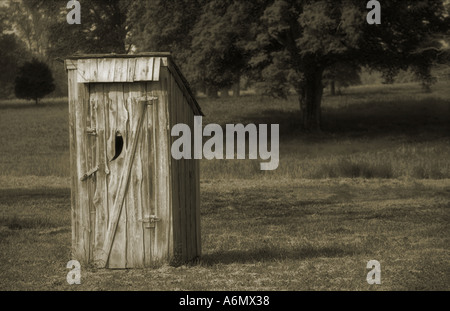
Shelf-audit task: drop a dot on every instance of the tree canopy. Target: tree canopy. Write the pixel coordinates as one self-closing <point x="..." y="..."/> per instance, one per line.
<point x="279" y="45"/>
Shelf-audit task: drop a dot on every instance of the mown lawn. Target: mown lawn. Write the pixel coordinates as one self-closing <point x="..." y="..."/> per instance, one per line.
<point x="374" y="184"/>
<point x="290" y="235"/>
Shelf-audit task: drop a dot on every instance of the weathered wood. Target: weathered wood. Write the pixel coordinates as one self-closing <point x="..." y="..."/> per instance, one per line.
<point x="131" y="67"/>
<point x="121" y="70"/>
<point x="147" y="187"/>
<point x="191" y="197"/>
<point x="169" y="177"/>
<point x="92" y="164"/>
<point x="181" y="177"/>
<point x="123" y="185"/>
<point x="83" y="187"/>
<point x="113" y="97"/>
<point x="70" y="64"/>
<point x="156" y="71"/>
<point x="144" y="69"/>
<point x="106" y="70"/>
<point x="197" y="207"/>
<point x="135" y="249"/>
<point x="113" y="207"/>
<point x="74" y="202"/>
<point x="166" y="224"/>
<point x="175" y="169"/>
<point x="183" y="86"/>
<point x="100" y="199"/>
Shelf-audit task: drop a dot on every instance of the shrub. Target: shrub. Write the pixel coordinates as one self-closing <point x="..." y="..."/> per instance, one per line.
<point x="34" y="81"/>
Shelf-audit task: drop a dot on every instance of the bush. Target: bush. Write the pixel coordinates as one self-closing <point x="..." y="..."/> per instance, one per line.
<point x="34" y="81"/>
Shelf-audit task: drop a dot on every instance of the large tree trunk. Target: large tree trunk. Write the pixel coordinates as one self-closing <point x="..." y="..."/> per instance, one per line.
<point x="237" y="89"/>
<point x="333" y="87"/>
<point x="224" y="93"/>
<point x="211" y="92"/>
<point x="310" y="98"/>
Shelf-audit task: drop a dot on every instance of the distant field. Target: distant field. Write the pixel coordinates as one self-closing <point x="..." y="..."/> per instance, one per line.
<point x="374" y="184"/>
<point x="371" y="132"/>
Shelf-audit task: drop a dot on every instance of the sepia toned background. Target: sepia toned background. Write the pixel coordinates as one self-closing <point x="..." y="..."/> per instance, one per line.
<point x="364" y="115"/>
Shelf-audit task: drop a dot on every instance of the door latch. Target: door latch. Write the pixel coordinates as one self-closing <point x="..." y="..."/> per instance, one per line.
<point x="90" y="173"/>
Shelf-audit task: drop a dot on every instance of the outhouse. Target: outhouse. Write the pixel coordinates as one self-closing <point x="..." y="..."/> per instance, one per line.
<point x="133" y="205"/>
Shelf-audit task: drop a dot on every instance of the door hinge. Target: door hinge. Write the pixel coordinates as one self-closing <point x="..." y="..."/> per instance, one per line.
<point x="90" y="173"/>
<point x="150" y="221"/>
<point x="91" y="131"/>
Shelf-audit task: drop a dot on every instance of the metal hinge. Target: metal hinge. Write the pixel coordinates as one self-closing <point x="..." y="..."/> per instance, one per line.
<point x="91" y="131"/>
<point x="148" y="100"/>
<point x="90" y="173"/>
<point x="150" y="221"/>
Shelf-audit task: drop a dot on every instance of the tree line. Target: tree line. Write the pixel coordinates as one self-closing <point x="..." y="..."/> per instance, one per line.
<point x="277" y="45"/>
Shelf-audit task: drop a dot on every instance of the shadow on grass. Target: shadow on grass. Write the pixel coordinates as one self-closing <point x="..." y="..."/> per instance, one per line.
<point x="267" y="254"/>
<point x="370" y="119"/>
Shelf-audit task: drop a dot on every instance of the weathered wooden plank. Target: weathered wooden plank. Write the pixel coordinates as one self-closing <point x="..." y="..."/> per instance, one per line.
<point x="83" y="192"/>
<point x="82" y="71"/>
<point x="74" y="198"/>
<point x="177" y="247"/>
<point x="135" y="247"/>
<point x="121" y="70"/>
<point x="167" y="156"/>
<point x="92" y="70"/>
<point x="183" y="86"/>
<point x="156" y="70"/>
<point x="144" y="69"/>
<point x="181" y="178"/>
<point x="147" y="190"/>
<point x="186" y="200"/>
<point x="197" y="208"/>
<point x="91" y="164"/>
<point x="70" y="64"/>
<point x="105" y="69"/>
<point x="111" y="69"/>
<point x="123" y="187"/>
<point x="101" y="192"/>
<point x="113" y="94"/>
<point x="131" y="69"/>
<point x="191" y="196"/>
<point x="164" y="84"/>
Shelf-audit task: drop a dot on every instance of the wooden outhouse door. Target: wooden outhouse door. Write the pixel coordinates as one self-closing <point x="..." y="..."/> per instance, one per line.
<point x="120" y="157"/>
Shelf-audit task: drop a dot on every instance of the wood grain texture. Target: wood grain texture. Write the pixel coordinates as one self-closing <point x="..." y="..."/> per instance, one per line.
<point x="113" y="96"/>
<point x="82" y="168"/>
<point x="100" y="199"/>
<point x="123" y="184"/>
<point x="74" y="202"/>
<point x="135" y="247"/>
<point x="111" y="209"/>
<point x="91" y="150"/>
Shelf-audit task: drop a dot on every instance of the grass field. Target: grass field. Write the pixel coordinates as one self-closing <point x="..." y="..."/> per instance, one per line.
<point x="374" y="184"/>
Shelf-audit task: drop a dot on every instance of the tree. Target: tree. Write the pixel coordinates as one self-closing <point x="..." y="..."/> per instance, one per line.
<point x="218" y="49"/>
<point x="12" y="54"/>
<point x="341" y="75"/>
<point x="299" y="39"/>
<point x="34" y="81"/>
<point x="30" y="20"/>
<point x="165" y="26"/>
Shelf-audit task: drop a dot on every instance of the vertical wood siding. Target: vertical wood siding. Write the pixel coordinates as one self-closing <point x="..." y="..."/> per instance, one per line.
<point x="157" y="184"/>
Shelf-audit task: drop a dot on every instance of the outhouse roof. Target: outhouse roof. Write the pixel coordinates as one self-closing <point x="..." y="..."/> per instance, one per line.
<point x="109" y="68"/>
